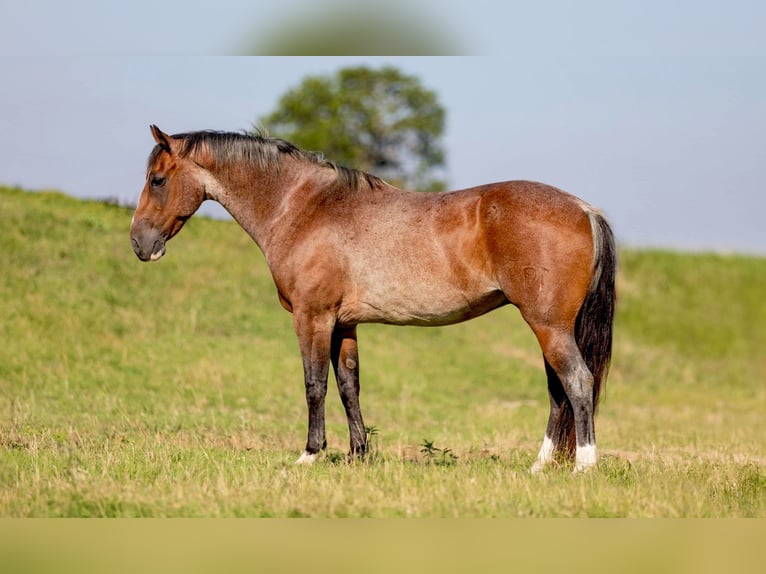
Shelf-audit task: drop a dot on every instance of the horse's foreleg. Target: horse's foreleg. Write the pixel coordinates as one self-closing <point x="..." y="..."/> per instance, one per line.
<point x="345" y="362"/>
<point x="314" y="338"/>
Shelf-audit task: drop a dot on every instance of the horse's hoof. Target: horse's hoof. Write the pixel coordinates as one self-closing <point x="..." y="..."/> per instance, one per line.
<point x="306" y="458"/>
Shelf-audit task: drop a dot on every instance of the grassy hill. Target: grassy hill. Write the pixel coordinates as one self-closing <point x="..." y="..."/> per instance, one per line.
<point x="175" y="389"/>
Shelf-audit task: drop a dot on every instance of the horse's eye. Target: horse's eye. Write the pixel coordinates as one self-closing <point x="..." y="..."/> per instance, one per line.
<point x="157" y="180"/>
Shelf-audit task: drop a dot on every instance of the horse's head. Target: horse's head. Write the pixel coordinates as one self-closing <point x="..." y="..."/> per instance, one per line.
<point x="173" y="191"/>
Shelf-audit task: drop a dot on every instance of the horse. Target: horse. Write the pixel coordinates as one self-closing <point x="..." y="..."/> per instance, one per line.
<point x="345" y="247"/>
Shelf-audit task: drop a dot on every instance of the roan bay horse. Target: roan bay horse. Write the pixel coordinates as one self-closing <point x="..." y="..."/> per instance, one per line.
<point x="345" y="247"/>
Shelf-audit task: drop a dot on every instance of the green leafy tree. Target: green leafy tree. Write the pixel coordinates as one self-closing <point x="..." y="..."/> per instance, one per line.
<point x="377" y="120"/>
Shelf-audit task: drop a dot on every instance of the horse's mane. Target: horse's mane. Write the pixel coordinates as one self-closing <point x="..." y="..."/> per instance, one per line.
<point x="265" y="152"/>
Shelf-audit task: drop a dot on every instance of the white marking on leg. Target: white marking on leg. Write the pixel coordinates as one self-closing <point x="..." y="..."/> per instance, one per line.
<point x="544" y="456"/>
<point x="306" y="458"/>
<point x="585" y="457"/>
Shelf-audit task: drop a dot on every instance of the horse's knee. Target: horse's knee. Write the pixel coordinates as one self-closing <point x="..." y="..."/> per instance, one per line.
<point x="315" y="392"/>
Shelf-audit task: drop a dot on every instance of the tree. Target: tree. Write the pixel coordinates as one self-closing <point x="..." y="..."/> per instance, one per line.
<point x="380" y="121"/>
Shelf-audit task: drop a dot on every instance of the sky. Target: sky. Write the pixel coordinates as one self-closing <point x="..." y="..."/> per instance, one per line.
<point x="658" y="121"/>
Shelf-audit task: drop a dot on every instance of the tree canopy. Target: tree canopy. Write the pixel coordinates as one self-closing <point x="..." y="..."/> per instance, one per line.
<point x="378" y="120"/>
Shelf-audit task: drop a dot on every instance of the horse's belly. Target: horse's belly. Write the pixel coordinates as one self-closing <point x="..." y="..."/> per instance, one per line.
<point x="432" y="307"/>
<point x="413" y="272"/>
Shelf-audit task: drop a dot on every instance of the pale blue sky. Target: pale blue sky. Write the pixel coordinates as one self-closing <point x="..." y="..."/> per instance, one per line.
<point x="661" y="122"/>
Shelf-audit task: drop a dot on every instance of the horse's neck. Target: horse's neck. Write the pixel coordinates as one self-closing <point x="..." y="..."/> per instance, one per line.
<point x="254" y="198"/>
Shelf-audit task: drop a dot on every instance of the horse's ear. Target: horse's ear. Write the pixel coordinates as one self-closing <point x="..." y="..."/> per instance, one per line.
<point x="161" y="138"/>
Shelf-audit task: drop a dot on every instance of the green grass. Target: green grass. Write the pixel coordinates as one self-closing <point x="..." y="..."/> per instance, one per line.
<point x="175" y="389"/>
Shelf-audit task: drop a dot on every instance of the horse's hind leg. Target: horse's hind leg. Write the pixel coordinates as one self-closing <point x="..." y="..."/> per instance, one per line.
<point x="345" y="361"/>
<point x="564" y="360"/>
<point x="552" y="440"/>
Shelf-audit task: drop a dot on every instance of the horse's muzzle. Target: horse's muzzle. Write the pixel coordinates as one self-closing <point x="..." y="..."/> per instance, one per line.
<point x="148" y="250"/>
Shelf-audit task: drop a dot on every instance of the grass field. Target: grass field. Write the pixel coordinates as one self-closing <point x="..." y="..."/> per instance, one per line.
<point x="175" y="389"/>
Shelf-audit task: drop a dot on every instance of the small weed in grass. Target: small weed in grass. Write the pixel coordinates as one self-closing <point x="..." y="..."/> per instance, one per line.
<point x="437" y="456"/>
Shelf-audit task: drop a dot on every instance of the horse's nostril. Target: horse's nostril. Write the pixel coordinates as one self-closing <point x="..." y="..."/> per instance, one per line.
<point x="136" y="248"/>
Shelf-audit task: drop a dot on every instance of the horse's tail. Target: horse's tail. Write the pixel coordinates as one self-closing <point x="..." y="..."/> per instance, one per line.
<point x="593" y="327"/>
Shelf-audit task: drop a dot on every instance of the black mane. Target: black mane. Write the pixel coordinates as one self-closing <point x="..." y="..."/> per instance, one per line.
<point x="265" y="152"/>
